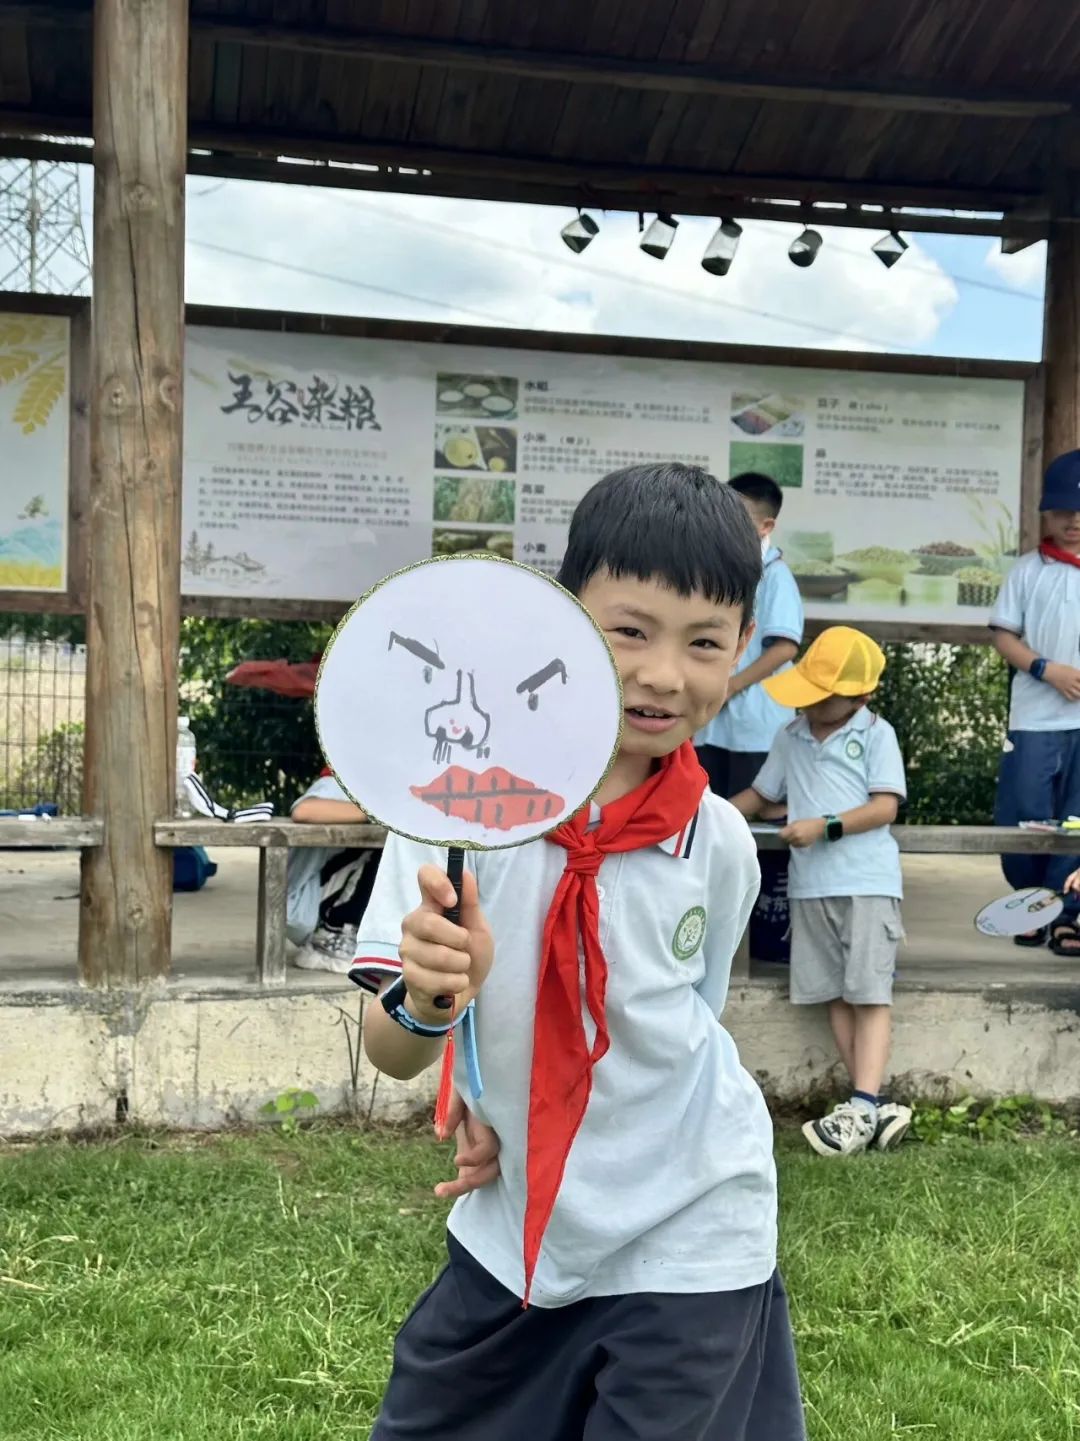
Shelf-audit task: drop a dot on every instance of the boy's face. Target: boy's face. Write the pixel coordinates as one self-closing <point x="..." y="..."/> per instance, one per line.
<point x="674" y="652"/>
<point x="1063" y="528"/>
<point x="835" y="711"/>
<point x="764" y="524"/>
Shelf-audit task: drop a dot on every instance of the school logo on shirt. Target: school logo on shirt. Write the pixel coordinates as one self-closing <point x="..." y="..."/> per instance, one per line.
<point x="689" y="934"/>
<point x="854" y="749"/>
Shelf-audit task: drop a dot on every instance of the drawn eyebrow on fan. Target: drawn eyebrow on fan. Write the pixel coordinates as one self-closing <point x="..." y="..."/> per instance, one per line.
<point x="416" y="648"/>
<point x="534" y="682"/>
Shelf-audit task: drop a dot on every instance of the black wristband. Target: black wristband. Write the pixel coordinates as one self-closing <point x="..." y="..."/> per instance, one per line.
<point x="393" y="1003"/>
<point x="1037" y="669"/>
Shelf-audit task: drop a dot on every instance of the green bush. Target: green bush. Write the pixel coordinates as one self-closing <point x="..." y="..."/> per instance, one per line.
<point x="949" y="705"/>
<point x="251" y="745"/>
<point x="52" y="771"/>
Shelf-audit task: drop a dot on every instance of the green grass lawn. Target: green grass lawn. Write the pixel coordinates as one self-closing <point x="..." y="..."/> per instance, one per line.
<point x="247" y="1287"/>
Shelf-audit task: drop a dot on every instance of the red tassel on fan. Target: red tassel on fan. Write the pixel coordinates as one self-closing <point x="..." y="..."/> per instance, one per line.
<point x="446" y="1086"/>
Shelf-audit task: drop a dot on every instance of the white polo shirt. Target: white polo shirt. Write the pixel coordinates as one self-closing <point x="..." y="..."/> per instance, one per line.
<point x="670" y="1185"/>
<point x="1040" y="602"/>
<point x="749" y="720"/>
<point x="824" y="778"/>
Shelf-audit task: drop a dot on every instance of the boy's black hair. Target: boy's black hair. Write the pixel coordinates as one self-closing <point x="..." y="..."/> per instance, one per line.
<point x="761" y="489"/>
<point x="673" y="523"/>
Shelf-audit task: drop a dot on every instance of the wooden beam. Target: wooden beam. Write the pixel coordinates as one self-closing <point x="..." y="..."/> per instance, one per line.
<point x="1061" y="342"/>
<point x="1033" y="462"/>
<point x="287" y="833"/>
<point x="249" y="154"/>
<point x="133" y="612"/>
<point x="71" y="832"/>
<point x="708" y="81"/>
<point x="963" y="841"/>
<point x="724" y="197"/>
<point x="596" y="183"/>
<point x="915" y="840"/>
<point x="271" y="921"/>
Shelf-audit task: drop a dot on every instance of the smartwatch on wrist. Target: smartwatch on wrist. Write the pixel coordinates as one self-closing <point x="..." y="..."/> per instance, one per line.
<point x="834" y="828"/>
<point x="1037" y="669"/>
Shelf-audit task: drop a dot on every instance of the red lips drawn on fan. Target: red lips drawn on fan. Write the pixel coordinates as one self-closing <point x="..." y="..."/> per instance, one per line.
<point x="493" y="798"/>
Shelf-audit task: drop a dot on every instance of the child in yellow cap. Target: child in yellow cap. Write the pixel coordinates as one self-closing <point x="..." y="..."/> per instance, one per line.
<point x="839" y="769"/>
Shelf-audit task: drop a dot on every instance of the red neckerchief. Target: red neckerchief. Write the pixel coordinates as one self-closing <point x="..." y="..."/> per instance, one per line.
<point x="562" y="1061"/>
<point x="1055" y="552"/>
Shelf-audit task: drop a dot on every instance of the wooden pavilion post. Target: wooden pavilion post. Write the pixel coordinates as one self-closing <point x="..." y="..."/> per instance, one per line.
<point x="1061" y="340"/>
<point x="133" y="609"/>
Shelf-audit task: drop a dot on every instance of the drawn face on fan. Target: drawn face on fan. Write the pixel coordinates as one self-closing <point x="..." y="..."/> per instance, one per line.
<point x="469" y="702"/>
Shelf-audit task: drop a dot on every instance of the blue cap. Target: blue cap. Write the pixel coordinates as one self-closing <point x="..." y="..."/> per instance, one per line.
<point x="1061" y="485"/>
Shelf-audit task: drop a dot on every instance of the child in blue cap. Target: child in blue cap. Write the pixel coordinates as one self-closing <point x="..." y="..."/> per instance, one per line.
<point x="1036" y="625"/>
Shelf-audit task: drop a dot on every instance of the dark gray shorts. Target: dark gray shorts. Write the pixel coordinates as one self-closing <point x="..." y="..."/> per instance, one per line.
<point x="844" y="948"/>
<point x="471" y="1365"/>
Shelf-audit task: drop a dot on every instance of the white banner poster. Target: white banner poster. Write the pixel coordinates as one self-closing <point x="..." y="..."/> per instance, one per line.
<point x="315" y="465"/>
<point x="35" y="376"/>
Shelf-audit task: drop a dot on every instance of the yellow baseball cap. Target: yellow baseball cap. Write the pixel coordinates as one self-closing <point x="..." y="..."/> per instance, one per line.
<point x="841" y="661"/>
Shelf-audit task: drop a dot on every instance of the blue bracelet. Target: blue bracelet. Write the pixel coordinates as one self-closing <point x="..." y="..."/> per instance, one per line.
<point x="393" y="1003"/>
<point x="1037" y="669"/>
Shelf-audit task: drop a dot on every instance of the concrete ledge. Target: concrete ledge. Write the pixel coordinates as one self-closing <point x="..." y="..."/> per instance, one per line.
<point x="77" y="1058"/>
<point x="207" y="1059"/>
<point x="999" y="1041"/>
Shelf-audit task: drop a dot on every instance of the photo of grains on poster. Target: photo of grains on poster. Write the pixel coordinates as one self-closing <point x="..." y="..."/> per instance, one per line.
<point x="784" y="462"/>
<point x="934" y="574"/>
<point x="476" y="447"/>
<point x="768" y="413"/>
<point x="483" y="500"/>
<point x="449" y="541"/>
<point x="476" y="397"/>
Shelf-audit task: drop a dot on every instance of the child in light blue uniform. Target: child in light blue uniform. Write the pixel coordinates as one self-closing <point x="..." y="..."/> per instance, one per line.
<point x="839" y="769"/>
<point x="1036" y="625"/>
<point x="733" y="748"/>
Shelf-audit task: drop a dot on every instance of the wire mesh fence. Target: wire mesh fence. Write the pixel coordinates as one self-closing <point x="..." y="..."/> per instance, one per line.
<point x="252" y="744"/>
<point x="42" y="714"/>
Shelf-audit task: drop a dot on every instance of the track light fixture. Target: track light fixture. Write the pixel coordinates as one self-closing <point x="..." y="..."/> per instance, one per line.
<point x="720" y="251"/>
<point x="657" y="240"/>
<point x="580" y="232"/>
<point x="803" y="250"/>
<point x="889" y="249"/>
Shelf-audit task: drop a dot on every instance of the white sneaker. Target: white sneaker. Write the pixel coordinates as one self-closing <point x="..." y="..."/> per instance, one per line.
<point x="843" y="1132"/>
<point x="328" y="950"/>
<point x="893" y="1122"/>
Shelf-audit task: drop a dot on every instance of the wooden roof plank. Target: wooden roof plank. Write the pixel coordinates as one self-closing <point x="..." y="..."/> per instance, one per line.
<point x="684" y="24"/>
<point x="253" y="74"/>
<point x="472" y="18"/>
<point x="711" y="136"/>
<point x="613" y="26"/>
<point x="652" y="29"/>
<point x="228" y="60"/>
<point x="14" y="65"/>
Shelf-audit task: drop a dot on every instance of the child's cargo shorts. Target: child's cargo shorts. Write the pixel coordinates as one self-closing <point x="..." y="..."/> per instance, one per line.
<point x="844" y="948"/>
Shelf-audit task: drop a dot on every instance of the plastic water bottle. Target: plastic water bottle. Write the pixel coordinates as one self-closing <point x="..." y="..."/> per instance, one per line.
<point x="185" y="765"/>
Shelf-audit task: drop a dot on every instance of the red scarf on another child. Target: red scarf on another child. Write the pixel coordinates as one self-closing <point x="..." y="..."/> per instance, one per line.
<point x="562" y="1059"/>
<point x="1055" y="552"/>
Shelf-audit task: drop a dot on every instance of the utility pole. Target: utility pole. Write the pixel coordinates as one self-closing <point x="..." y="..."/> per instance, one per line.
<point x="42" y="243"/>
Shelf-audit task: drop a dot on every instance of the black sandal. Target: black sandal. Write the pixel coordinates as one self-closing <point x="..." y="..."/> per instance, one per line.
<point x="1061" y="934"/>
<point x="1032" y="940"/>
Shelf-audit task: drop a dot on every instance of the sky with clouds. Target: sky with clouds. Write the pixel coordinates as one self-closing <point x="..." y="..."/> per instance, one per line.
<point x="424" y="258"/>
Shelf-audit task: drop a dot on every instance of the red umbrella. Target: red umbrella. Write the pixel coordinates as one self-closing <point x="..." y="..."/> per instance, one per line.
<point x="295" y="679"/>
